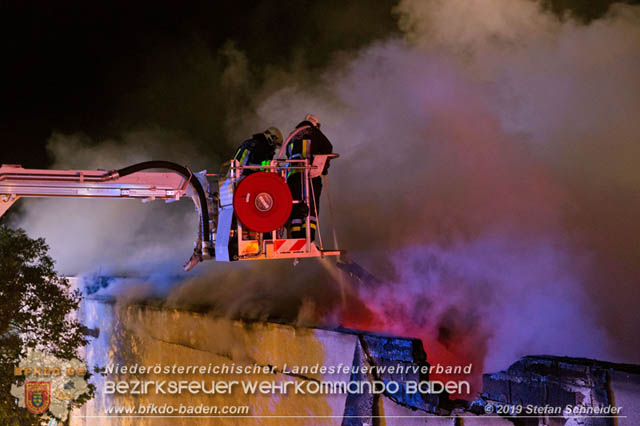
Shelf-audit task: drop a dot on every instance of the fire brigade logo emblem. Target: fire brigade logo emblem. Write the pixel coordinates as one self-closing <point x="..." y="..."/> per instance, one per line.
<point x="37" y="396"/>
<point x="48" y="386"/>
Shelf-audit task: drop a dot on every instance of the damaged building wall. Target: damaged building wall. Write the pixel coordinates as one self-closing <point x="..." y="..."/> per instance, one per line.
<point x="147" y="335"/>
<point x="552" y="381"/>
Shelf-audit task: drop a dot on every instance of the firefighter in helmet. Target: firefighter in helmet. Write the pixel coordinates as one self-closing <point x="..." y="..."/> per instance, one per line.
<point x="305" y="142"/>
<point x="259" y="149"/>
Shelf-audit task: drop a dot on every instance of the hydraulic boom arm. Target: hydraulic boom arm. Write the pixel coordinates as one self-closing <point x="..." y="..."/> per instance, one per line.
<point x="130" y="182"/>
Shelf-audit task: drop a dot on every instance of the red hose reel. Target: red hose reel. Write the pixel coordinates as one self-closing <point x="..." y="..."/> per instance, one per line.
<point x="262" y="202"/>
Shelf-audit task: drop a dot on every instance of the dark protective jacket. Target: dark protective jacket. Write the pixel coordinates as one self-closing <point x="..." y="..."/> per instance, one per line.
<point x="316" y="143"/>
<point x="254" y="151"/>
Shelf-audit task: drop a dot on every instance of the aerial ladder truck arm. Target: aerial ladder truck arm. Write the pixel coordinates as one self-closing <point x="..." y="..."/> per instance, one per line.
<point x="128" y="183"/>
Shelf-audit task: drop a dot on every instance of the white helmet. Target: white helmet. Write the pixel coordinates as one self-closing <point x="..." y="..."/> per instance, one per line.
<point x="312" y="119"/>
<point x="274" y="135"/>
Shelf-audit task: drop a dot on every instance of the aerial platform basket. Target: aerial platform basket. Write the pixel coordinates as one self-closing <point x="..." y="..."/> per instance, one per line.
<point x="253" y="211"/>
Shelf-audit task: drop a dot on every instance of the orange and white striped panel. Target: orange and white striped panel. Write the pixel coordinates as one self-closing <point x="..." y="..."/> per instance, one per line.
<point x="289" y="245"/>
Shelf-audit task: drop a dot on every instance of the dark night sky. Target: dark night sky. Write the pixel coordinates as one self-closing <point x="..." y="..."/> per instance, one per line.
<point x="90" y="67"/>
<point x="101" y="68"/>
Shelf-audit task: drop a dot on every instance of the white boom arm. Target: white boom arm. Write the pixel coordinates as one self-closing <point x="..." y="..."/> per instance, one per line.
<point x="17" y="182"/>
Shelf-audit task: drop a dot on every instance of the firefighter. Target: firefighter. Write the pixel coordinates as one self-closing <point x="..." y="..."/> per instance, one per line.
<point x="259" y="149"/>
<point x="305" y="142"/>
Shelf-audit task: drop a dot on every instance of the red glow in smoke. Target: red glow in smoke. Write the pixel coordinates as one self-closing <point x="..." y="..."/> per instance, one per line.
<point x="448" y="342"/>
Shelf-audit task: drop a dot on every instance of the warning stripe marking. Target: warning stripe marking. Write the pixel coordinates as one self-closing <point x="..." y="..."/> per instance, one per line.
<point x="289" y="245"/>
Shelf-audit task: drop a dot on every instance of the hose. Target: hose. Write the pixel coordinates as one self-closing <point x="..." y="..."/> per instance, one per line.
<point x="192" y="180"/>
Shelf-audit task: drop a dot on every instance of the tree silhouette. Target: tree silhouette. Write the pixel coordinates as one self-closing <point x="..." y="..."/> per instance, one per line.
<point x="35" y="313"/>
